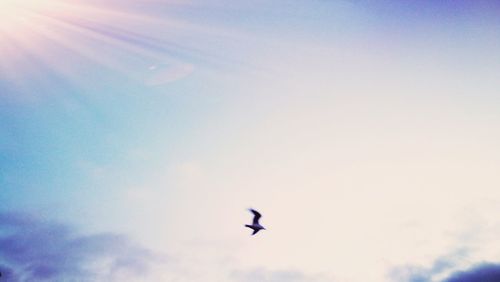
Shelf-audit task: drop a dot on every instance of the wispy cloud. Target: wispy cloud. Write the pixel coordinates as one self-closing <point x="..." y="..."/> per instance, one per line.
<point x="450" y="268"/>
<point x="32" y="249"/>
<point x="439" y="268"/>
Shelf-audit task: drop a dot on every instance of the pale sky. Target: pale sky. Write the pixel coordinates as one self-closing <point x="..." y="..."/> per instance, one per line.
<point x="135" y="135"/>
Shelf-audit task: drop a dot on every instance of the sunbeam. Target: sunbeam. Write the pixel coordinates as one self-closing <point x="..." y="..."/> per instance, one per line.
<point x="63" y="36"/>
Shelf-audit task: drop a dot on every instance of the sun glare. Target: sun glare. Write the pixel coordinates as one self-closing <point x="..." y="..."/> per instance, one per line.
<point x="12" y="11"/>
<point x="59" y="36"/>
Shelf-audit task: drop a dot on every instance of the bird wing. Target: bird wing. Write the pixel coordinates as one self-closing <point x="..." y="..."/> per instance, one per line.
<point x="255" y="231"/>
<point x="256" y="216"/>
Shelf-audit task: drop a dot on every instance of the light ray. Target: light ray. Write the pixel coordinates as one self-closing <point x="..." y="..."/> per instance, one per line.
<point x="59" y="36"/>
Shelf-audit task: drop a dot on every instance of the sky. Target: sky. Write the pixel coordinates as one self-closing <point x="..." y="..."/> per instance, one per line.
<point x="134" y="136"/>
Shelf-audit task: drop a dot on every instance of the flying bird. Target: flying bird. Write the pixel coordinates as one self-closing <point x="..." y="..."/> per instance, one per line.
<point x="255" y="226"/>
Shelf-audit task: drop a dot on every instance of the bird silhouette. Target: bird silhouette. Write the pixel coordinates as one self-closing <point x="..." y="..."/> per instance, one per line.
<point x="255" y="226"/>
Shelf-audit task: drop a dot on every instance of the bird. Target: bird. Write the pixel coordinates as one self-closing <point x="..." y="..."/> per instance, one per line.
<point x="255" y="226"/>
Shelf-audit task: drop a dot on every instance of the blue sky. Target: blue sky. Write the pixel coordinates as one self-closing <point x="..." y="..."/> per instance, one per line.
<point x="372" y="124"/>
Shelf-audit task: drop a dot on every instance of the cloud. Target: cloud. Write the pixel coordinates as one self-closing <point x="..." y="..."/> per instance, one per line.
<point x="265" y="275"/>
<point x="7" y="274"/>
<point x="445" y="269"/>
<point x="485" y="272"/>
<point x="442" y="265"/>
<point x="32" y="249"/>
